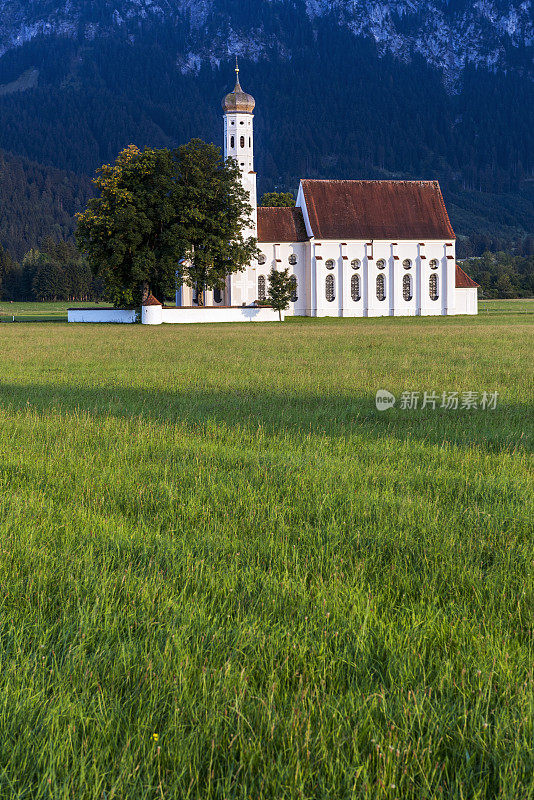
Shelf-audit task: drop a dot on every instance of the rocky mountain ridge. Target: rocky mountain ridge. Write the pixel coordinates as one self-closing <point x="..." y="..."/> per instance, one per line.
<point x="447" y="34"/>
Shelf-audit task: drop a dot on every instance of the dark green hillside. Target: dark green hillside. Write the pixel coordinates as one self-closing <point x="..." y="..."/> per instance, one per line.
<point x="36" y="201"/>
<point x="332" y="107"/>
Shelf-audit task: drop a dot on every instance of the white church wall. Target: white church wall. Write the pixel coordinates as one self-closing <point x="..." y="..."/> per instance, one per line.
<point x="466" y="301"/>
<point x="429" y="252"/>
<point x="420" y="256"/>
<point x="309" y="279"/>
<point x="353" y="252"/>
<point x="327" y="252"/>
<point x="278" y="255"/>
<point x="449" y="304"/>
<point x="379" y="251"/>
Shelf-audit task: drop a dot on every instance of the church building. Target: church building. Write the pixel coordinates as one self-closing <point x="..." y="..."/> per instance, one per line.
<point x="354" y="248"/>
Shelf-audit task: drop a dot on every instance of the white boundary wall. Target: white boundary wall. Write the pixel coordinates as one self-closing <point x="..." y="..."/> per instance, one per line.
<point x="215" y="314"/>
<point x="101" y="315"/>
<point x="155" y="315"/>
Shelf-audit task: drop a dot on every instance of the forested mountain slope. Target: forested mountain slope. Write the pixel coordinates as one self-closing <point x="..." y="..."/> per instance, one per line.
<point x="36" y="202"/>
<point x="343" y="89"/>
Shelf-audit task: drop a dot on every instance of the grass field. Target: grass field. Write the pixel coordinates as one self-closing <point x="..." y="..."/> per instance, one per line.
<point x="40" y="312"/>
<point x="57" y="312"/>
<point x="225" y="574"/>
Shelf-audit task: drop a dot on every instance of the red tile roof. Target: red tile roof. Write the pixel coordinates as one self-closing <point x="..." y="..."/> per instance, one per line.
<point x="377" y="210"/>
<point x="151" y="301"/>
<point x="281" y="225"/>
<point x="463" y="281"/>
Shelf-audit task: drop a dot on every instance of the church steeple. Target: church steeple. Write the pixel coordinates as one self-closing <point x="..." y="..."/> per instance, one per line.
<point x="238" y="109"/>
<point x="238" y="101"/>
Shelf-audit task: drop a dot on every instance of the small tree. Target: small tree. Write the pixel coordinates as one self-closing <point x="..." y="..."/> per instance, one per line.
<point x="277" y="199"/>
<point x="281" y="289"/>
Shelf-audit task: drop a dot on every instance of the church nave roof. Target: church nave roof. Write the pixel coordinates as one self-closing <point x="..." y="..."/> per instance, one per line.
<point x="281" y="225"/>
<point x="376" y="210"/>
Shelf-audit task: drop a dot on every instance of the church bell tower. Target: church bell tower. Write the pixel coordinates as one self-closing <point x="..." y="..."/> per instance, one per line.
<point x="238" y="109"/>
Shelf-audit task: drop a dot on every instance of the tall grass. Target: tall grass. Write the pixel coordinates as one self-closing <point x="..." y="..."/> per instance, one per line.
<point x="224" y="574"/>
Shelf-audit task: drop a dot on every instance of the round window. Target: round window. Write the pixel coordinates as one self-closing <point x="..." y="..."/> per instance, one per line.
<point x="407" y="263"/>
<point x="381" y="264"/>
<point x="330" y="264"/>
<point x="261" y="259"/>
<point x="292" y="259"/>
<point x="356" y="263"/>
<point x="434" y="263"/>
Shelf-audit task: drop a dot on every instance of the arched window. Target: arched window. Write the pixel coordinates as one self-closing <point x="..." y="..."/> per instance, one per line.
<point x="242" y="141"/>
<point x="380" y="287"/>
<point x="217" y="296"/>
<point x="434" y="263"/>
<point x="355" y="287"/>
<point x="294" y="288"/>
<point x="262" y="286"/>
<point x="261" y="259"/>
<point x="330" y="263"/>
<point x="292" y="259"/>
<point x="433" y="287"/>
<point x="232" y="141"/>
<point x="381" y="263"/>
<point x="407" y="287"/>
<point x="407" y="263"/>
<point x="330" y="288"/>
<point x="356" y="263"/>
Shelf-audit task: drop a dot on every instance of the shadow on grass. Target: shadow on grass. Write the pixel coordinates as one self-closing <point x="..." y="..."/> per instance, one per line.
<point x="333" y="414"/>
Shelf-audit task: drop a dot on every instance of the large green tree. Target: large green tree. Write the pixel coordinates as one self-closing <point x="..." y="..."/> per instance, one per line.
<point x="166" y="217"/>
<point x="212" y="212"/>
<point x="127" y="231"/>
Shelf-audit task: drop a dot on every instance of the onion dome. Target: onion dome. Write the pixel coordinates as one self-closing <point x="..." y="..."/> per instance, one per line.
<point x="238" y="100"/>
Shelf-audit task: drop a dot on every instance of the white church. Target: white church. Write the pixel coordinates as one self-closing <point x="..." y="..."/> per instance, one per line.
<point x="354" y="248"/>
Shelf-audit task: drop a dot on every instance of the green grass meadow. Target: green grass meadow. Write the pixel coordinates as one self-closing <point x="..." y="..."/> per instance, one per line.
<point x="40" y="312"/>
<point x="225" y="574"/>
